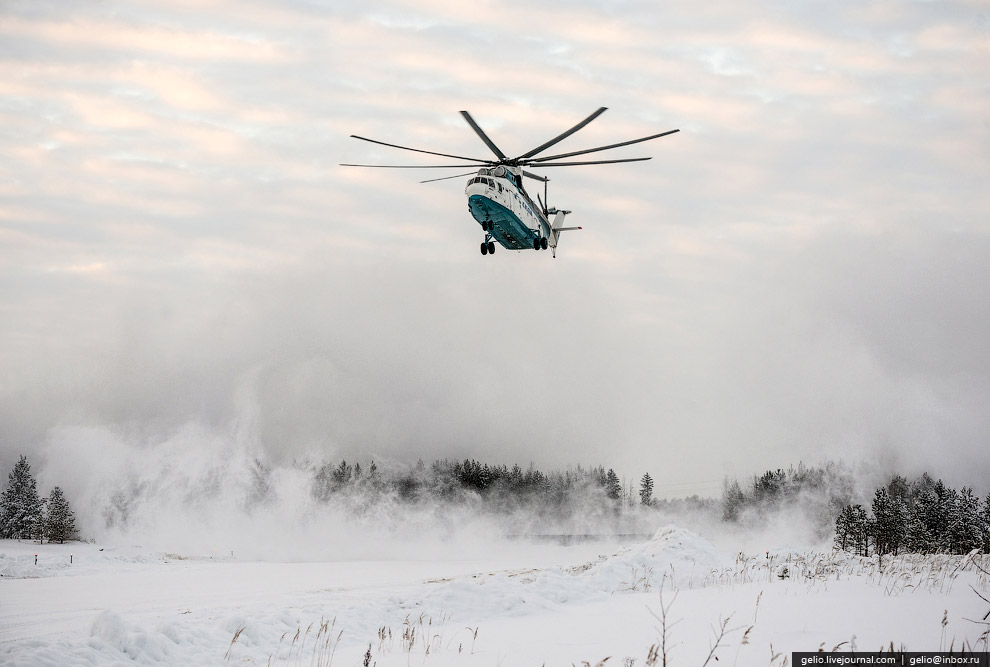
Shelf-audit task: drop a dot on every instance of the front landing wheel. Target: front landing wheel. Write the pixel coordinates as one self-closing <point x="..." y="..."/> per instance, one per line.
<point x="484" y="248"/>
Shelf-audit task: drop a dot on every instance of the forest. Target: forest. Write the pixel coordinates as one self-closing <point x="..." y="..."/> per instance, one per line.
<point x="918" y="516"/>
<point x="921" y="516"/>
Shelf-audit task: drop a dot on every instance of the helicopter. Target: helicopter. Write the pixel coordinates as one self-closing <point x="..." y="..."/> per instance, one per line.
<point x="497" y="198"/>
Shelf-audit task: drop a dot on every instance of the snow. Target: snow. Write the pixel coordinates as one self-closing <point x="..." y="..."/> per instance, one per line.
<point x="506" y="603"/>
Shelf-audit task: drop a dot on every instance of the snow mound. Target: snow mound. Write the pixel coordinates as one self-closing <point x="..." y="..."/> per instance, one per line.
<point x="685" y="558"/>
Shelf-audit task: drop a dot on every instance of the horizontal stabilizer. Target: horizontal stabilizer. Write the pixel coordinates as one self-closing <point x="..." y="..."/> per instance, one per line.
<point x="565" y="229"/>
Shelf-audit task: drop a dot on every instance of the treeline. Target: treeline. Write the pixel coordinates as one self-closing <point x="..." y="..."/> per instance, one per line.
<point x="395" y="495"/>
<point x="920" y="516"/>
<point x="819" y="492"/>
<point x="27" y="516"/>
<point x="499" y="485"/>
<point x="521" y="500"/>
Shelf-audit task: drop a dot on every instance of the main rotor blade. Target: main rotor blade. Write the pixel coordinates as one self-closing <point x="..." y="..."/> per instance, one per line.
<point x="417" y="166"/>
<point x="575" y="164"/>
<point x="417" y="150"/>
<point x="447" y="178"/>
<point x="484" y="137"/>
<point x="602" y="148"/>
<point x="561" y="137"/>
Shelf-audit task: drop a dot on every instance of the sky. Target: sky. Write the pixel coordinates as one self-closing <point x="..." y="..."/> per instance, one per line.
<point x="800" y="273"/>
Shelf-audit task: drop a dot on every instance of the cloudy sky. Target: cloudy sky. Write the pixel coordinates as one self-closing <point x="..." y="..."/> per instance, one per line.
<point x="801" y="272"/>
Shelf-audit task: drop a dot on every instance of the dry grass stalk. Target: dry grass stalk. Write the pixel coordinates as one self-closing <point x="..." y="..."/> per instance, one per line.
<point x="233" y="641"/>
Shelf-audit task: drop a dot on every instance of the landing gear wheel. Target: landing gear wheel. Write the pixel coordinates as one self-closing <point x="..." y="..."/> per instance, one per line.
<point x="484" y="248"/>
<point x="536" y="243"/>
<point x="543" y="243"/>
<point x="491" y="247"/>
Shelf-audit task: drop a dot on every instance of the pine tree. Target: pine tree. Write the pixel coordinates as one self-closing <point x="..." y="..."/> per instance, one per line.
<point x="613" y="488"/>
<point x="60" y="521"/>
<point x="20" y="506"/>
<point x="964" y="522"/>
<point x="859" y="530"/>
<point x="375" y="477"/>
<point x="888" y="523"/>
<point x="341" y="476"/>
<point x="844" y="529"/>
<point x="922" y="517"/>
<point x="769" y="488"/>
<point x="898" y="488"/>
<point x="646" y="490"/>
<point x="938" y="518"/>
<point x="599" y="477"/>
<point x="733" y="500"/>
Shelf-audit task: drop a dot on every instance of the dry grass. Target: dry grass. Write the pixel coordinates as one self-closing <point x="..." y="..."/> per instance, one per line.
<point x="233" y="641"/>
<point x="896" y="574"/>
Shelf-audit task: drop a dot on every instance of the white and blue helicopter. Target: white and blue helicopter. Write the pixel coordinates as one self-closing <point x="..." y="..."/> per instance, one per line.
<point x="496" y="197"/>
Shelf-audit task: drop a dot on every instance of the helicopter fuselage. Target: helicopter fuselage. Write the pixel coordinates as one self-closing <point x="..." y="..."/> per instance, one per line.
<point x="505" y="211"/>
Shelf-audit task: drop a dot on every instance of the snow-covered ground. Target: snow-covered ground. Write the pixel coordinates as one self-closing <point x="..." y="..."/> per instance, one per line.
<point x="508" y="603"/>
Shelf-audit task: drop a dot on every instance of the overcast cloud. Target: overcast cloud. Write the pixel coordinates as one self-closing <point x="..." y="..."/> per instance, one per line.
<point x="801" y="272"/>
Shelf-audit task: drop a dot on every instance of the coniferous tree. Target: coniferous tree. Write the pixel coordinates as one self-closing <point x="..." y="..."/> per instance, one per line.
<point x="769" y="488"/>
<point x="322" y="483"/>
<point x="646" y="490"/>
<point x="938" y="517"/>
<point x="733" y="500"/>
<point x="60" y="520"/>
<point x="888" y="523"/>
<point x="341" y="476"/>
<point x="965" y="532"/>
<point x="923" y="516"/>
<point x="613" y="488"/>
<point x="923" y="521"/>
<point x="38" y="528"/>
<point x="917" y="539"/>
<point x="899" y="488"/>
<point x="842" y="540"/>
<point x="20" y="506"/>
<point x="859" y="530"/>
<point x="599" y="476"/>
<point x="375" y="477"/>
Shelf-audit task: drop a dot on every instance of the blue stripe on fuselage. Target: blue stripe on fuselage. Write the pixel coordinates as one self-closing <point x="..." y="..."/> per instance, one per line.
<point x="509" y="229"/>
